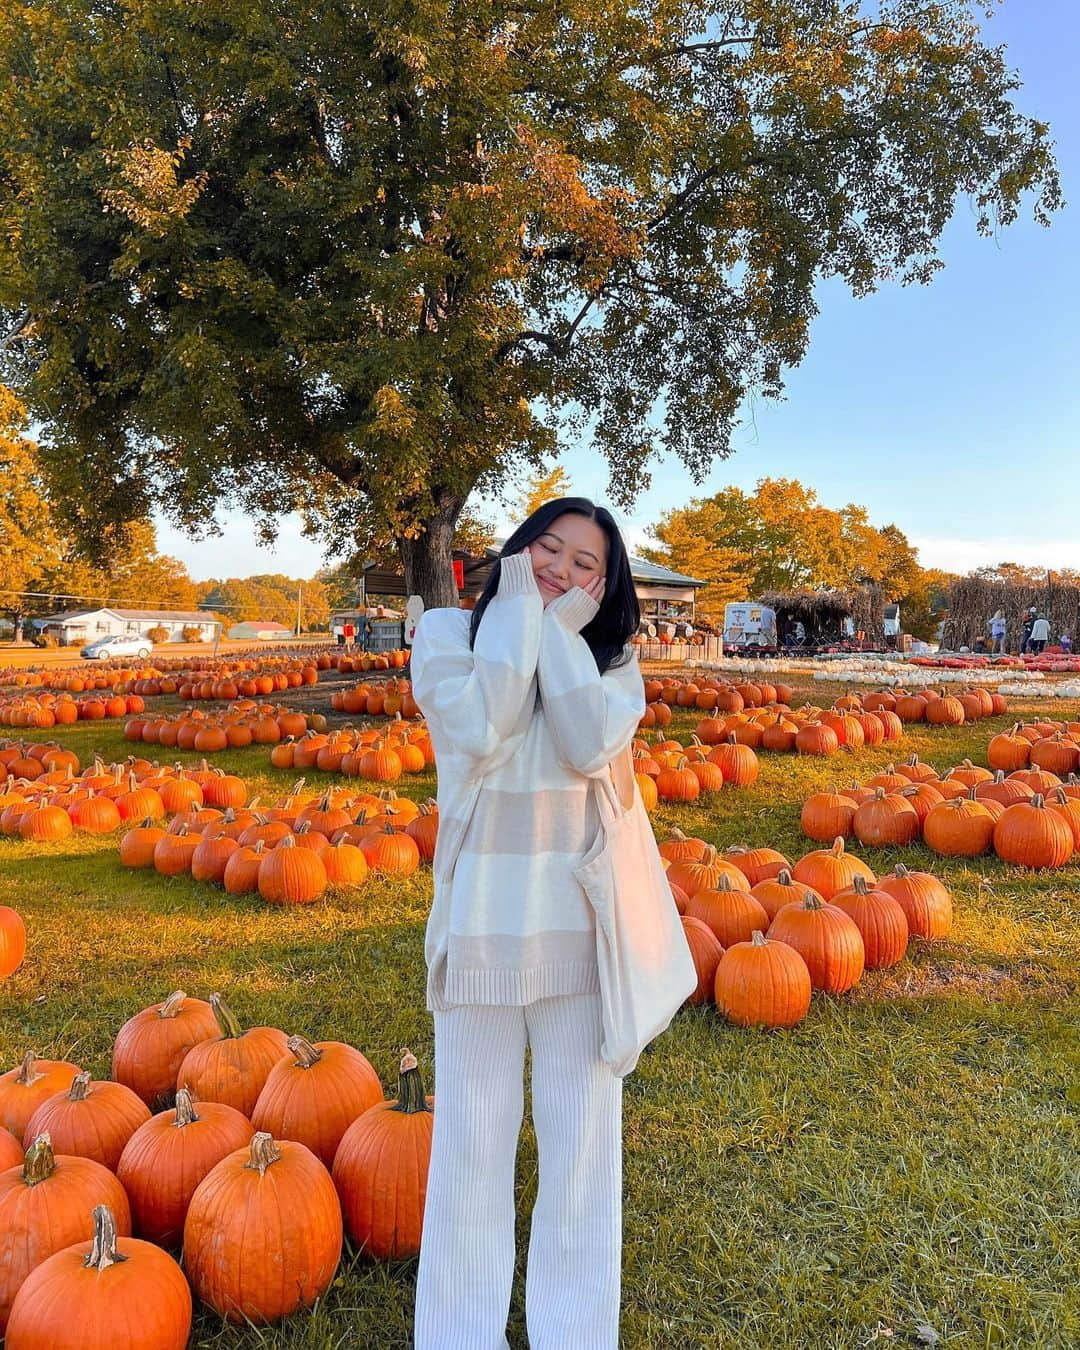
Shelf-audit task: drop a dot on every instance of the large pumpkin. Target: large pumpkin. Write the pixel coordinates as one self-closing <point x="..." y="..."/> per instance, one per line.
<point x="779" y="891"/>
<point x="90" y="1120"/>
<point x="166" y="1158"/>
<point x="886" y="819"/>
<point x="108" y="1293"/>
<point x="233" y="1067"/>
<point x="959" y="828"/>
<point x="926" y="903"/>
<point x="830" y="870"/>
<point x="756" y="864"/>
<point x="315" y="1093"/>
<point x="762" y="983"/>
<point x="881" y="921"/>
<point x="150" y="1047"/>
<point x="263" y="1232"/>
<point x="731" y="912"/>
<point x="12" y="941"/>
<point x="381" y="1167"/>
<point x="44" y="1207"/>
<point x="22" y="1090"/>
<point x="826" y="938"/>
<point x="291" y="875"/>
<point x="827" y="816"/>
<point x="1031" y="836"/>
<point x="706" y="952"/>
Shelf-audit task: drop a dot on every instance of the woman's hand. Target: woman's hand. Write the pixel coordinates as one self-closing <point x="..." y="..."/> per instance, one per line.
<point x="594" y="589"/>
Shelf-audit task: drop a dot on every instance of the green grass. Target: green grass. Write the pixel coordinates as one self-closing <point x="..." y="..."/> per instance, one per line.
<point x="906" y="1157"/>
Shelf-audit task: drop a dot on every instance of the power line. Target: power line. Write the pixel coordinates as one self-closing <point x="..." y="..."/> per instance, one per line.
<point x="96" y="599"/>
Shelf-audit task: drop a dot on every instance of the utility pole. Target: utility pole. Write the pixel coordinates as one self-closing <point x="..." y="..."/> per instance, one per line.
<point x="299" y="607"/>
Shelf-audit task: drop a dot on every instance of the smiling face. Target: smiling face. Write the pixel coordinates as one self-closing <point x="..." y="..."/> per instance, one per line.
<point x="571" y="552"/>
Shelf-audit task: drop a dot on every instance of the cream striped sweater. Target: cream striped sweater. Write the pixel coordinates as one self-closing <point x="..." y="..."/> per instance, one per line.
<point x="520" y="724"/>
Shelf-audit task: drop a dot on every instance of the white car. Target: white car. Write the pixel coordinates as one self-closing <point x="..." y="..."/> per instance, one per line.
<point x="107" y="648"/>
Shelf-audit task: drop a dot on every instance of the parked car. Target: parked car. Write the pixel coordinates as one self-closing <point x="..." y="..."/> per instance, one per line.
<point x="106" y="648"/>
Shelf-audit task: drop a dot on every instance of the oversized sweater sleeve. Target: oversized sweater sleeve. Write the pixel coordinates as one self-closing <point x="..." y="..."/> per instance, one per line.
<point x="474" y="697"/>
<point x="592" y="717"/>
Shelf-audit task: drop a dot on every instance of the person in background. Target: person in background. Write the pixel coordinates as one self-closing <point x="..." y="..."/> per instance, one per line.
<point x="350" y="634"/>
<point x="997" y="632"/>
<point x="339" y="635"/>
<point x="1040" y="635"/>
<point x="1066" y="643"/>
<point x="367" y="629"/>
<point x="1025" y="632"/>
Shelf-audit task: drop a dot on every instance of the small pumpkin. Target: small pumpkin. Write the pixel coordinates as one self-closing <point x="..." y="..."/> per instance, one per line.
<point x="887" y="819"/>
<point x="827" y="816"/>
<point x="22" y="1090"/>
<point x="706" y="952"/>
<point x="776" y="892"/>
<point x="291" y="875"/>
<point x="12" y="941"/>
<point x="827" y="871"/>
<point x="732" y="914"/>
<point x="381" y="1166"/>
<point x="1029" y="835"/>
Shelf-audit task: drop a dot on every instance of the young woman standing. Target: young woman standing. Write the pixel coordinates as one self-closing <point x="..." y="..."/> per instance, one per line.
<point x="528" y="698"/>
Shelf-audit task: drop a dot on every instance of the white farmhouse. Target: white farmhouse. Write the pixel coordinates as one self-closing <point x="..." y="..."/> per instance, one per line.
<point x="87" y="625"/>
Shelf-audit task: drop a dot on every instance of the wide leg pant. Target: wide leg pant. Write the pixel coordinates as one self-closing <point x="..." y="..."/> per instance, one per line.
<point x="575" y="1241"/>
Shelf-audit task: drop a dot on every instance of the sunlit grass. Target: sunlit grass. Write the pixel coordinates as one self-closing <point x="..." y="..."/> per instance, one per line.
<point x="906" y="1157"/>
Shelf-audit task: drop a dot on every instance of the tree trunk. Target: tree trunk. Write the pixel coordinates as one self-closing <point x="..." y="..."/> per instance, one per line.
<point x="428" y="561"/>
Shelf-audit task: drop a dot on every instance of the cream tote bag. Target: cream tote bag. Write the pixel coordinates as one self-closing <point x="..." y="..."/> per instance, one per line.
<point x="646" y="970"/>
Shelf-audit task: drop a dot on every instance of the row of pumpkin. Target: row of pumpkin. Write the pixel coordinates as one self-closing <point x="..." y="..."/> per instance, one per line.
<point x="264" y="1148"/>
<point x="764" y="933"/>
<point x="242" y="723"/>
<point x="1030" y="817"/>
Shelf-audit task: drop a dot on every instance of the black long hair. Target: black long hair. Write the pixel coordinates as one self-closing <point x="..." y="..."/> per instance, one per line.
<point x="619" y="615"/>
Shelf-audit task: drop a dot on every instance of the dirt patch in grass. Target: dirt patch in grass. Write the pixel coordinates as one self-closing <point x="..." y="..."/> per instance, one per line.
<point x="961" y="977"/>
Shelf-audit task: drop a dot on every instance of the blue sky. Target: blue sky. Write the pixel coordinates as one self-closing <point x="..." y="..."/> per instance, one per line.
<point x="952" y="410"/>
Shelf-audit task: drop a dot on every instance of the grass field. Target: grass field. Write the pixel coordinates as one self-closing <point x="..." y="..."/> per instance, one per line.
<point x="902" y="1166"/>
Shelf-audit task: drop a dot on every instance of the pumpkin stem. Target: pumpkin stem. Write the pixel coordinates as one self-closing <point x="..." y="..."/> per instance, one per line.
<point x="264" y="1153"/>
<point x="784" y="877"/>
<point x="226" y="1018"/>
<point x="758" y="939"/>
<point x="26" y="1075"/>
<point x="900" y="870"/>
<point x="185" y="1106"/>
<point x="172" y="1004"/>
<point x="80" y="1087"/>
<point x="810" y="901"/>
<point x="103" y="1253"/>
<point x="724" y="884"/>
<point x="39" y="1163"/>
<point x="305" y="1052"/>
<point x="411" y="1098"/>
<point x="860" y="885"/>
<point x="838" y="846"/>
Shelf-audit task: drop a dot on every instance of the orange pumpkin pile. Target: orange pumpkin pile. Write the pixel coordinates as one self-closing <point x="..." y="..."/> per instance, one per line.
<point x="59" y="800"/>
<point x="1029" y="817"/>
<point x="290" y="853"/>
<point x="939" y="707"/>
<point x="243" y="723"/>
<point x="764" y="934"/>
<point x="380" y="756"/>
<point x="264" y="1150"/>
<point x="389" y="698"/>
<point x="50" y="710"/>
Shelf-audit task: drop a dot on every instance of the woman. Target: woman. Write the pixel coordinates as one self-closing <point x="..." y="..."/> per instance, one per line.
<point x="528" y="697"/>
<point x="997" y="632"/>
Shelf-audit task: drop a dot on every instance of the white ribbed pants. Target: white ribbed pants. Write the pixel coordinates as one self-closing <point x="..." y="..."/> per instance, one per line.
<point x="575" y="1241"/>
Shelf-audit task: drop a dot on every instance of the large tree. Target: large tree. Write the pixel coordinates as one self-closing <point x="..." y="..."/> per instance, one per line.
<point x="28" y="540"/>
<point x="362" y="260"/>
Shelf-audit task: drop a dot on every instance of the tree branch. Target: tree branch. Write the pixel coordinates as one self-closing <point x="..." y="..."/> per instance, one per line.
<point x="16" y="332"/>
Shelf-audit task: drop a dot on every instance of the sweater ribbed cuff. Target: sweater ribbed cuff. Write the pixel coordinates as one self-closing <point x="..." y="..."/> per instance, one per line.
<point x="575" y="609"/>
<point x="516" y="576"/>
